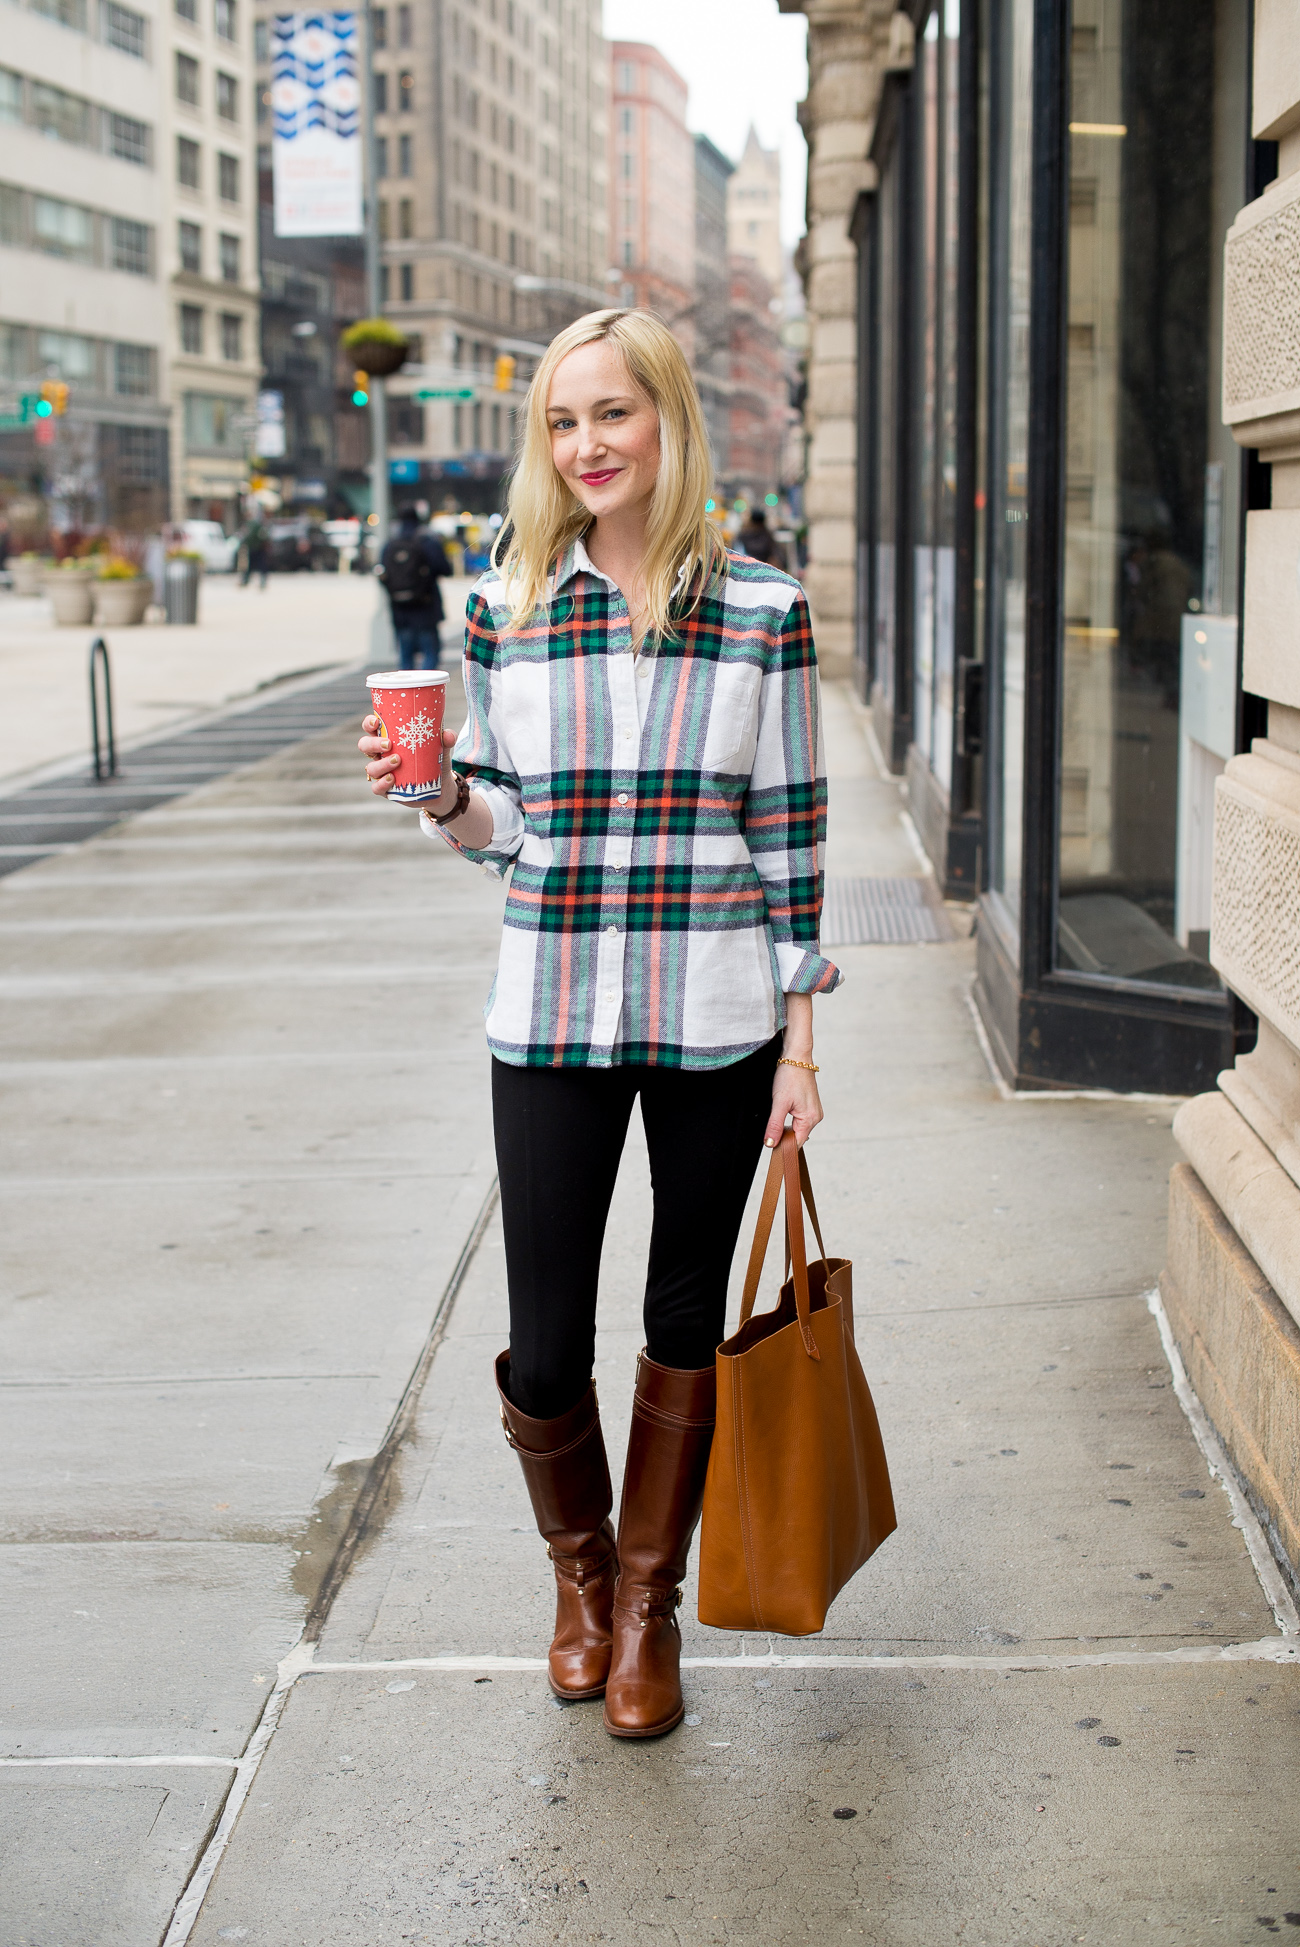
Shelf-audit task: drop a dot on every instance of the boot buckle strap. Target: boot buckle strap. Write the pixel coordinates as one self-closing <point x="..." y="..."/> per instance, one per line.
<point x="510" y="1438"/>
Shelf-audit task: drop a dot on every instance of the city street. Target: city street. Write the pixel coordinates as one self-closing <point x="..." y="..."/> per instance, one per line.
<point x="274" y="1614"/>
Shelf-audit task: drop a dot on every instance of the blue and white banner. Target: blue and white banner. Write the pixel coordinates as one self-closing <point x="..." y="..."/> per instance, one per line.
<point x="316" y="124"/>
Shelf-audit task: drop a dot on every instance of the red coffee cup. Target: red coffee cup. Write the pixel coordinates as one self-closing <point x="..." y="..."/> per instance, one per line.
<point x="409" y="704"/>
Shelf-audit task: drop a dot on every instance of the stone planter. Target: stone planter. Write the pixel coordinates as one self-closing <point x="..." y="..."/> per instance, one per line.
<point x="121" y="604"/>
<point x="378" y="359"/>
<point x="72" y="596"/>
<point x="28" y="576"/>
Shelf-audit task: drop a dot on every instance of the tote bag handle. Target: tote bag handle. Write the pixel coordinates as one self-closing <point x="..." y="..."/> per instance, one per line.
<point x="784" y="1167"/>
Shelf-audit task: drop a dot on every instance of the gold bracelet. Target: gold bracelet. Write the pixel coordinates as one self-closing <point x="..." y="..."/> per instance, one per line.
<point x="790" y="1062"/>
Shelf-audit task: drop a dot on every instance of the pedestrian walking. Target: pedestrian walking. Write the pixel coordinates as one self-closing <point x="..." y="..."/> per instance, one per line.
<point x="410" y="567"/>
<point x="642" y="745"/>
<point x="256" y="543"/>
<point x="756" y="538"/>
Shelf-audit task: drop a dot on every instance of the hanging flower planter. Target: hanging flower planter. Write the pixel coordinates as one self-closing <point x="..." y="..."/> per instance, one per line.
<point x="377" y="347"/>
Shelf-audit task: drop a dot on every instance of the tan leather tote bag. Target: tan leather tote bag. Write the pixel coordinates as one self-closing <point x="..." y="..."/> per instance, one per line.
<point x="797" y="1496"/>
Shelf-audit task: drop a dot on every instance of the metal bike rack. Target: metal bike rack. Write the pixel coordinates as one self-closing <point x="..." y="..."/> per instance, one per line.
<point x="105" y="753"/>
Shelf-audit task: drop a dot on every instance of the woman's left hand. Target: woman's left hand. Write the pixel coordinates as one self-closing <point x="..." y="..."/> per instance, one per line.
<point x="794" y="1094"/>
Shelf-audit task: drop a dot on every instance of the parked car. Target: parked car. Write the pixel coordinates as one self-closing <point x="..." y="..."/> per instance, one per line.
<point x="209" y="539"/>
<point x="301" y="544"/>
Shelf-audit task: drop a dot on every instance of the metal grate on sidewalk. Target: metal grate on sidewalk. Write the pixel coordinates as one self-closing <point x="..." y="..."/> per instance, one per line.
<point x="882" y="912"/>
<point x="58" y="814"/>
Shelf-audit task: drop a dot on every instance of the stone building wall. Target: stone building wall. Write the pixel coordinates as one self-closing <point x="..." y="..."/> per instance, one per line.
<point x="1232" y="1281"/>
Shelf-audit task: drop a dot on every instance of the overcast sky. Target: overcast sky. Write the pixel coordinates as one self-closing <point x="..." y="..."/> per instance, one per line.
<point x="743" y="62"/>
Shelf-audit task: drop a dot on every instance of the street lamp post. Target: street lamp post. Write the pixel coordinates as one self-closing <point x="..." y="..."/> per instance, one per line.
<point x="378" y="389"/>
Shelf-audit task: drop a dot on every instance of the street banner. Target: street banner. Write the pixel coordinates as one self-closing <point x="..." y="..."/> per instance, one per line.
<point x="268" y="437"/>
<point x="316" y="125"/>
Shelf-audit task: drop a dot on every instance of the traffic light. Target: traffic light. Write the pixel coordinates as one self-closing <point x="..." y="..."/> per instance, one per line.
<point x="54" y="398"/>
<point x="361" y="388"/>
<point x="505" y="372"/>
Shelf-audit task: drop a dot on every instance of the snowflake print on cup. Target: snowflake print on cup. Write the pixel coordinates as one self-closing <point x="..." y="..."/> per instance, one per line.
<point x="409" y="705"/>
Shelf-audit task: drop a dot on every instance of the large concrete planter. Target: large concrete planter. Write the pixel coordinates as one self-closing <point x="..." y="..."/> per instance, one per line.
<point x="28" y="577"/>
<point x="72" y="596"/>
<point x="121" y="604"/>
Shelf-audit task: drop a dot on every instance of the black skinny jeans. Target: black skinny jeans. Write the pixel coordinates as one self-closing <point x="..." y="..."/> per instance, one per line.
<point x="559" y="1136"/>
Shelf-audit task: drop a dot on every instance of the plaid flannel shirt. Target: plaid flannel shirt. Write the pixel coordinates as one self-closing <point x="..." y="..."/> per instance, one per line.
<point x="665" y="814"/>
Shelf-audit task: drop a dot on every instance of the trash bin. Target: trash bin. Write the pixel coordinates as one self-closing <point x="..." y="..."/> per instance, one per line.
<point x="181" y="590"/>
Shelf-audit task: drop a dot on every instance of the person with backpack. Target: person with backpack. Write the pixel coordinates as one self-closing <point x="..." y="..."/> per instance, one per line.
<point x="410" y="567"/>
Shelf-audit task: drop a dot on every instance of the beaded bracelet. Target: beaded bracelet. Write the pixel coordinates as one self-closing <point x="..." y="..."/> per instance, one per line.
<point x="790" y="1062"/>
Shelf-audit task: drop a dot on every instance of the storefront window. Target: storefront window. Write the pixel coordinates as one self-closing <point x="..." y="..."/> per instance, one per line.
<point x="887" y="382"/>
<point x="1007" y="437"/>
<point x="935" y="480"/>
<point x="1157" y="144"/>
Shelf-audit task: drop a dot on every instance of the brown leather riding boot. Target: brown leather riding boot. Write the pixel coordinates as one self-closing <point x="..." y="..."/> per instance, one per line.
<point x="567" y="1476"/>
<point x="663" y="1487"/>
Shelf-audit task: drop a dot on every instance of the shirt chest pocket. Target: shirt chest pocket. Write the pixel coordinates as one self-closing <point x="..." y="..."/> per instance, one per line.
<point x="733" y="719"/>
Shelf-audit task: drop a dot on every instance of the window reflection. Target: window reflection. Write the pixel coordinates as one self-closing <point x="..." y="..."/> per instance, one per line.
<point x="1144" y="570"/>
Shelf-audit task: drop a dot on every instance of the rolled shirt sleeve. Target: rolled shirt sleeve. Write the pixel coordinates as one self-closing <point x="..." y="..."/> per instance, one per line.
<point x="785" y="806"/>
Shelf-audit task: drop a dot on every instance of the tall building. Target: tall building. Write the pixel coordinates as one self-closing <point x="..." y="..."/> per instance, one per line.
<point x="208" y="182"/>
<point x="652" y="187"/>
<point x="712" y="298"/>
<point x="754" y="210"/>
<point x="758" y="408"/>
<point x="492" y="132"/>
<point x="127" y="262"/>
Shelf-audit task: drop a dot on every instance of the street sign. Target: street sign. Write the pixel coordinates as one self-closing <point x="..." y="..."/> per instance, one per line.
<point x="445" y="392"/>
<point x="20" y="411"/>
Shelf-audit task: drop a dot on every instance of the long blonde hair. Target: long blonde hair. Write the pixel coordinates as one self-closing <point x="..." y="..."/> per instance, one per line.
<point x="543" y="517"/>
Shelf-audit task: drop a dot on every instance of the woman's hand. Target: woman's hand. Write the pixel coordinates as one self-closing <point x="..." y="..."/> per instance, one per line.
<point x="794" y="1090"/>
<point x="383" y="762"/>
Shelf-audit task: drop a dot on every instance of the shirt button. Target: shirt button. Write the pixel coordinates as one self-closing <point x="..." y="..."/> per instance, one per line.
<point x="622" y="797"/>
<point x="611" y="929"/>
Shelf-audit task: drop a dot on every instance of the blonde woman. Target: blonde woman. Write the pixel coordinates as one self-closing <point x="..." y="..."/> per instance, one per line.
<point x="642" y="746"/>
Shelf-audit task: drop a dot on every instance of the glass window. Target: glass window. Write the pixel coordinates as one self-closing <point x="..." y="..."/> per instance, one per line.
<point x="187" y="10"/>
<point x="406" y="91"/>
<point x="883" y="640"/>
<point x="212" y="422"/>
<point x="13" y="225"/>
<point x="229" y="250"/>
<point x="232" y="335"/>
<point x="228" y="178"/>
<point x="11" y="96"/>
<point x="187" y="162"/>
<point x="133" y="371"/>
<point x="192" y="329"/>
<point x="64" y="229"/>
<point x="379" y="83"/>
<point x="407" y="285"/>
<point x="261" y="41"/>
<point x="381" y="157"/>
<point x="225" y="20"/>
<point x="190" y="242"/>
<point x="379" y="26"/>
<point x="1148" y="659"/>
<point x="227" y="97"/>
<point x="131" y="246"/>
<point x="68" y="13"/>
<point x="128" y="139"/>
<point x="125" y="29"/>
<point x="66" y="355"/>
<point x="404" y="162"/>
<point x="404" y="26"/>
<point x="187" y="79"/>
<point x="1007" y="444"/>
<point x="56" y="113"/>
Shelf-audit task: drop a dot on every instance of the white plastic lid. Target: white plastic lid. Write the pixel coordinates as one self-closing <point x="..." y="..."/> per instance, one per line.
<point x="405" y="679"/>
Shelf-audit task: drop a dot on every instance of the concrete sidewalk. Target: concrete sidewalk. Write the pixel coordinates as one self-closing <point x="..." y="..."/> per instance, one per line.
<point x="1058" y="1705"/>
<point x="245" y="638"/>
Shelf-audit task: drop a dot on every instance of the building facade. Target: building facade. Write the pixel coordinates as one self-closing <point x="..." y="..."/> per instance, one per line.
<point x="208" y="179"/>
<point x="652" y="187"/>
<point x="759" y="398"/>
<point x="754" y="210"/>
<point x="712" y="314"/>
<point x="84" y="269"/>
<point x="491" y="199"/>
<point x="1232" y="1279"/>
<point x="493" y="138"/>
